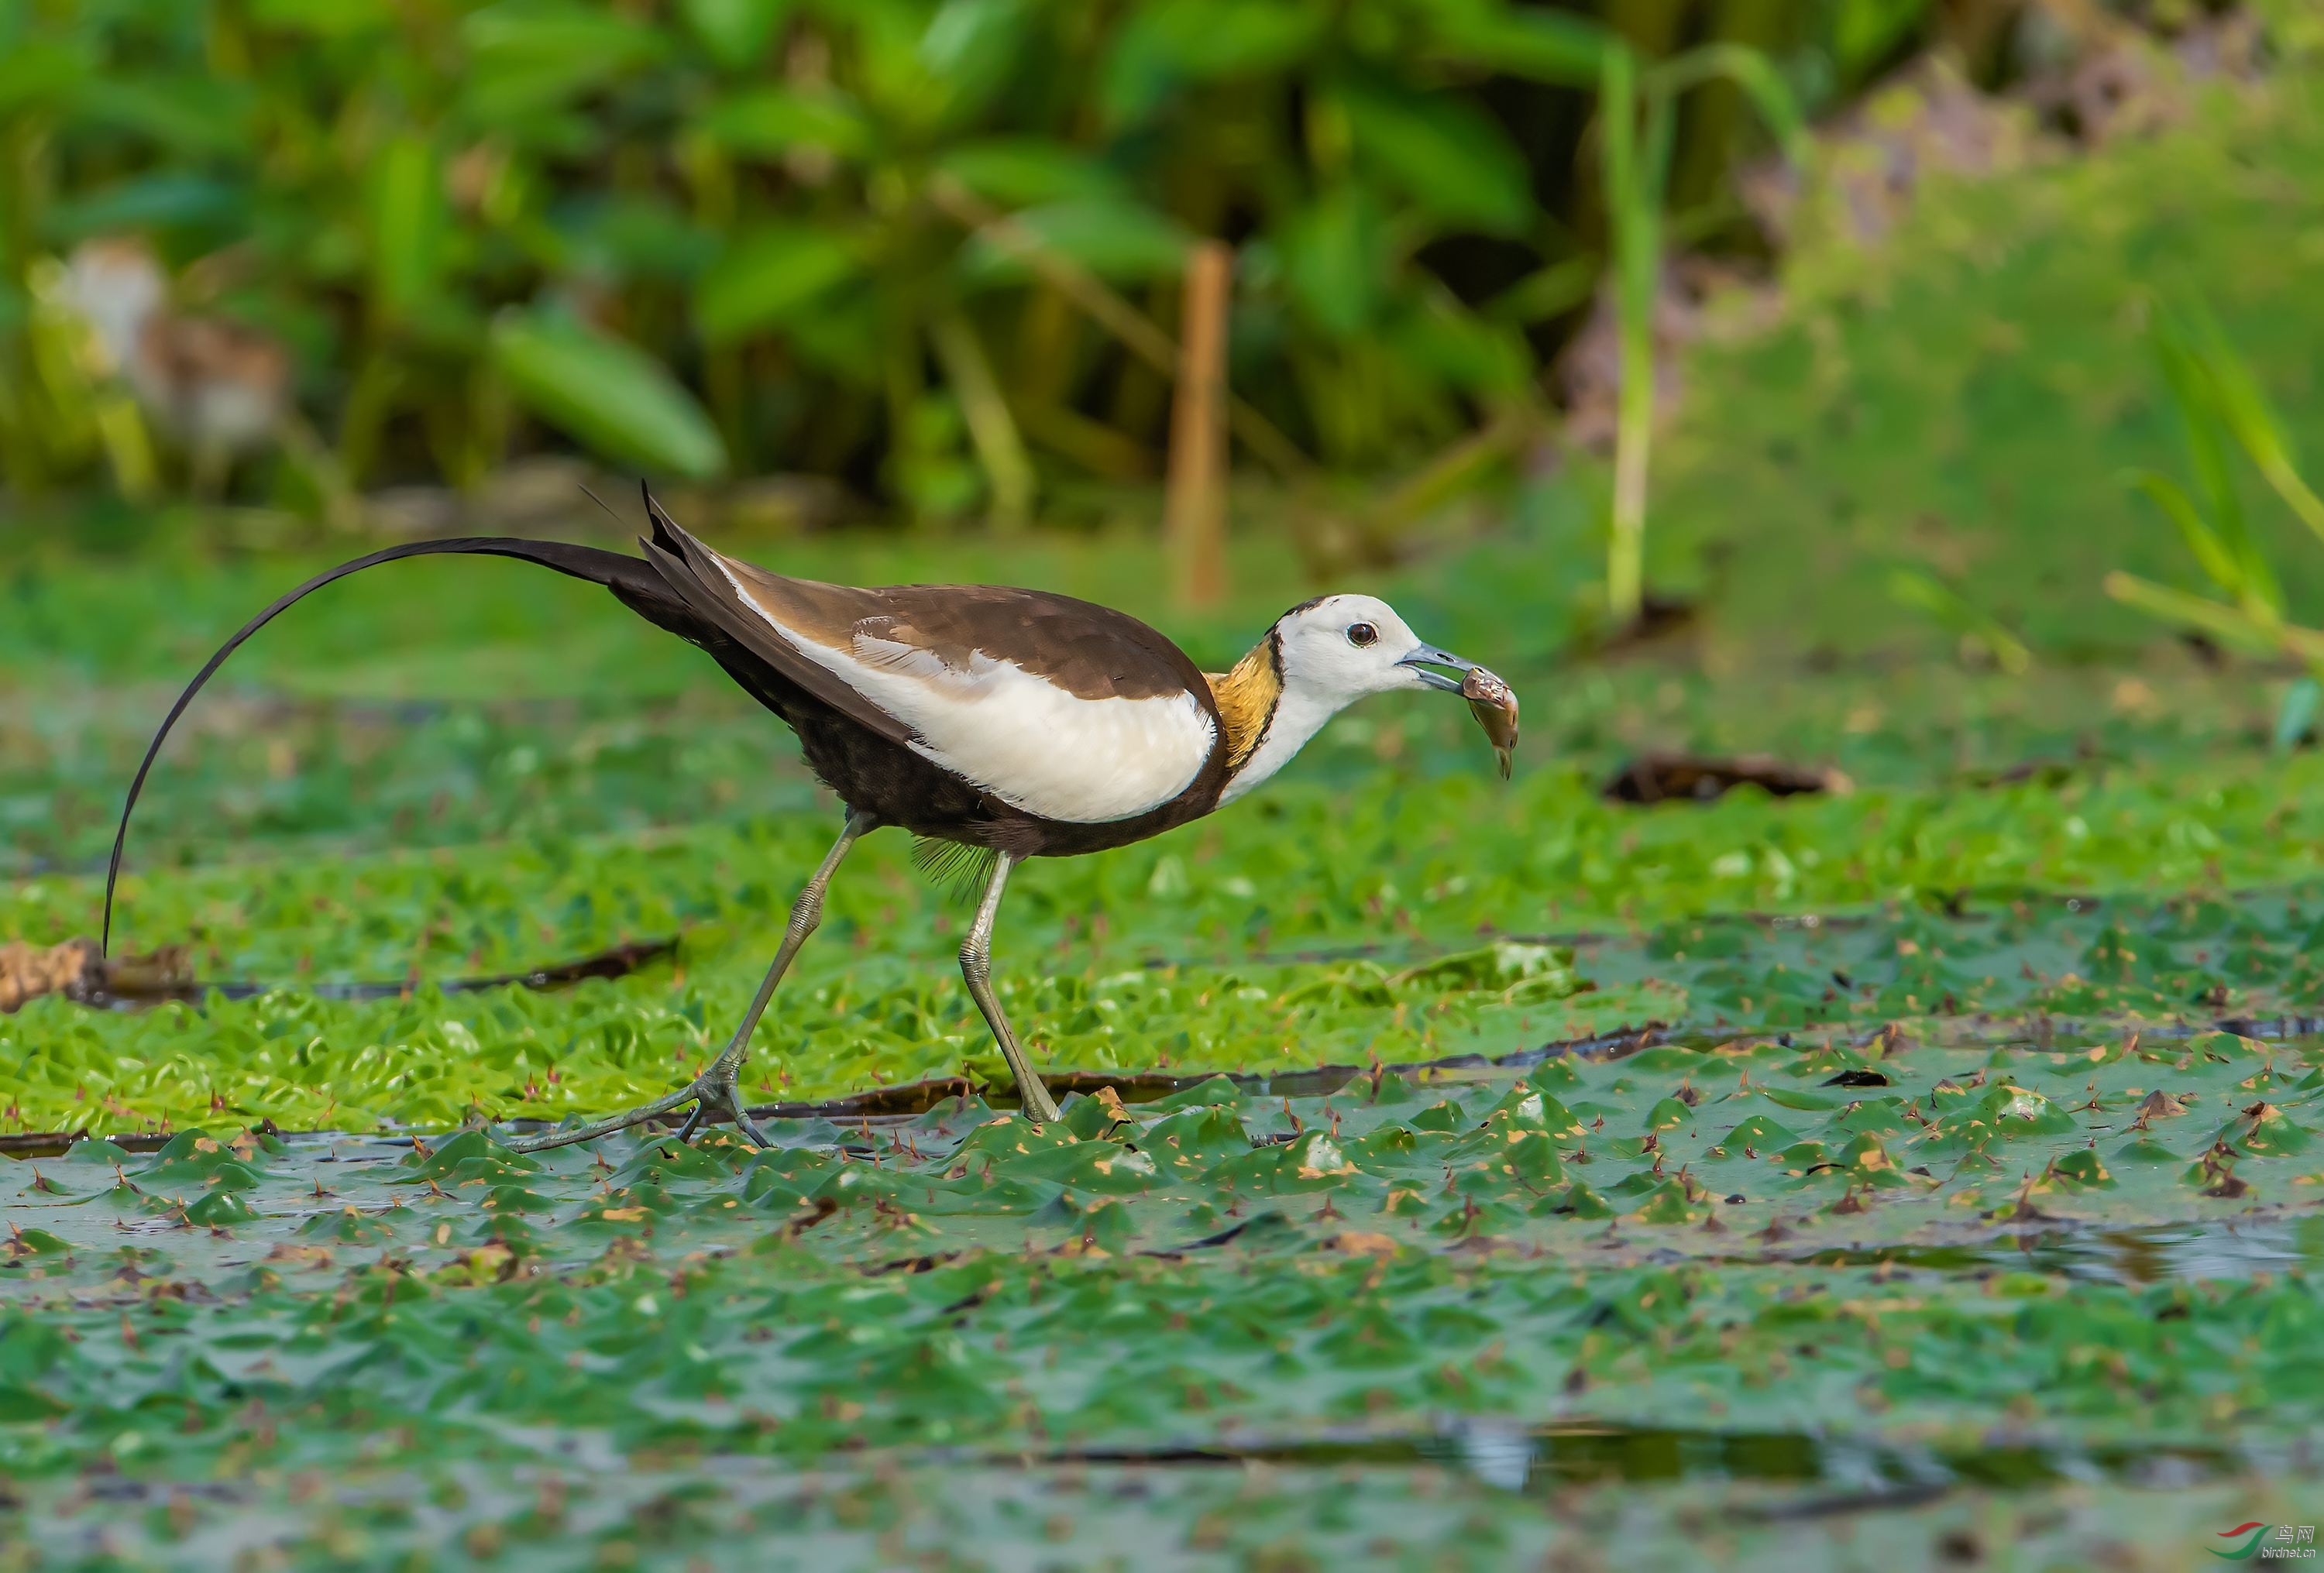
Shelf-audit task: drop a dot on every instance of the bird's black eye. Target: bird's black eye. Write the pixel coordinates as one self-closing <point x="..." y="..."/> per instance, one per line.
<point x="1362" y="634"/>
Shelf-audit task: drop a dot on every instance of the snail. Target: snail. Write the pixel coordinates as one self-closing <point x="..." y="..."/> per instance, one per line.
<point x="1495" y="705"/>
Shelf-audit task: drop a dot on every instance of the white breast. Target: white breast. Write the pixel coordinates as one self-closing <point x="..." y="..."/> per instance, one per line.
<point x="1026" y="741"/>
<point x="1298" y="716"/>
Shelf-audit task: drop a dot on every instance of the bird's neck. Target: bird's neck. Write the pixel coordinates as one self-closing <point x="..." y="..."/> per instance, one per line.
<point x="1265" y="724"/>
<point x="1247" y="697"/>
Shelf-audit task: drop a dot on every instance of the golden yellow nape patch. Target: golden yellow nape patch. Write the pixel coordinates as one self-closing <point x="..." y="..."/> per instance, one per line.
<point x="1246" y="698"/>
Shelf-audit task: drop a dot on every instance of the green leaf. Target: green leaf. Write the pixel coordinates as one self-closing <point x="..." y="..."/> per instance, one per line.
<point x="1531" y="42"/>
<point x="1549" y="292"/>
<point x="1335" y="261"/>
<point x="593" y="43"/>
<point x="2236" y="395"/>
<point x="1119" y="241"/>
<point x="41" y="72"/>
<point x="185" y="117"/>
<point x="2195" y="391"/>
<point x="2231" y="625"/>
<point x="606" y="393"/>
<point x="1788" y="1098"/>
<point x="1174" y="41"/>
<point x="1444" y="337"/>
<point x="1668" y="1114"/>
<point x="770" y="121"/>
<point x="150" y="202"/>
<point x="1023" y="172"/>
<point x="844" y="337"/>
<point x="970" y="48"/>
<point x="2209" y="552"/>
<point x="1759" y="1131"/>
<point x="1748" y="69"/>
<point x="767" y="277"/>
<point x="638" y="236"/>
<point x="1450" y="158"/>
<point x="526" y="55"/>
<point x="1586" y="1203"/>
<point x="1865" y="33"/>
<point x="2297" y="716"/>
<point x="219" y="1208"/>
<point x="409" y="222"/>
<point x="2082" y="1169"/>
<point x="735" y="33"/>
<point x="341" y="19"/>
<point x="1960" y="616"/>
<point x="1221" y="38"/>
<point x="2018" y="1111"/>
<point x="2244" y="408"/>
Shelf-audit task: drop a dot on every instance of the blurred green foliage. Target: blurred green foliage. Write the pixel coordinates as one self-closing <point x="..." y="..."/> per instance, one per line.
<point x="2223" y="409"/>
<point x="1963" y="399"/>
<point x="717" y="236"/>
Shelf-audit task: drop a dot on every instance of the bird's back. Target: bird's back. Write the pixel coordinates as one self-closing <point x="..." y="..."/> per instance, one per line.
<point x="1087" y="651"/>
<point x="1072" y="724"/>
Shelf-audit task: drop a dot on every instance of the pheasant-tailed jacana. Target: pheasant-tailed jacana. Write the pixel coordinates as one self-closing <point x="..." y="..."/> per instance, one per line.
<point x="218" y="387"/>
<point x="1009" y="723"/>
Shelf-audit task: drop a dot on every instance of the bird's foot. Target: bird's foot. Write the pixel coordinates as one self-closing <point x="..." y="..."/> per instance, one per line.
<point x="719" y="1091"/>
<point x="715" y="1092"/>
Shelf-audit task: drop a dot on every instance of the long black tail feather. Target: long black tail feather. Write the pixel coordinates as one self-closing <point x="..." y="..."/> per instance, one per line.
<point x="634" y="581"/>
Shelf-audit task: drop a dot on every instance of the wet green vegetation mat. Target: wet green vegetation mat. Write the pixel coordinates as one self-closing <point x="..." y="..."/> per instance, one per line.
<point x="1395" y="921"/>
<point x="1903" y="1270"/>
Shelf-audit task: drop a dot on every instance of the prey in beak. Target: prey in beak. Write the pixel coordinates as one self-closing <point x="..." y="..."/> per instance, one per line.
<point x="1491" y="700"/>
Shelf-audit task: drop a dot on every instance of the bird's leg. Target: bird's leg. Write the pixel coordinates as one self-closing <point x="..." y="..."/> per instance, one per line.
<point x="720" y="1080"/>
<point x="717" y="1089"/>
<point x="976" y="967"/>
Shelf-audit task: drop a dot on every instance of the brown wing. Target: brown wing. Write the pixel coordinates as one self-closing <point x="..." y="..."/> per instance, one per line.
<point x="1088" y="650"/>
<point x="693" y="571"/>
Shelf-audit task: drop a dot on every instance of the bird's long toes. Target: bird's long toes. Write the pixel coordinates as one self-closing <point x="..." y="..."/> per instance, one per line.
<point x="714" y="1096"/>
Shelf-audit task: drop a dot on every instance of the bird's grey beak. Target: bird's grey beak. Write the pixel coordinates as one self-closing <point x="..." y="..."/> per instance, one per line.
<point x="1429" y="656"/>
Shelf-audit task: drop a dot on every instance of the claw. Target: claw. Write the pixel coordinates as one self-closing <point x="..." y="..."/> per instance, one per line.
<point x="720" y="1095"/>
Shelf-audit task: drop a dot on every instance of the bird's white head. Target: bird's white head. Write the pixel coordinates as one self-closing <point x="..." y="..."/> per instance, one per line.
<point x="1337" y="650"/>
<point x="1315" y="661"/>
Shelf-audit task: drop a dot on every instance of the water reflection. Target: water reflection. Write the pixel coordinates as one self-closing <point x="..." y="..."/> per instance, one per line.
<point x="2228" y="1250"/>
<point x="2157" y="1253"/>
<point x="1515" y="1457"/>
